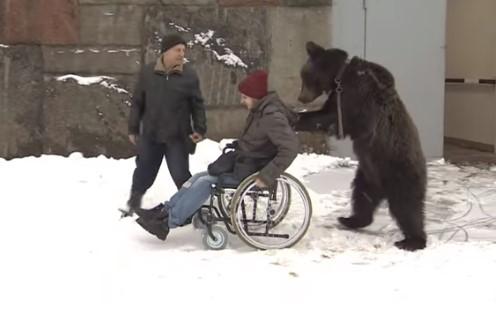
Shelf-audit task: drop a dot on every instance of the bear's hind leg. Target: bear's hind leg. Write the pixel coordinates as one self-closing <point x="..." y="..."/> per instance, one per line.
<point x="365" y="199"/>
<point x="408" y="211"/>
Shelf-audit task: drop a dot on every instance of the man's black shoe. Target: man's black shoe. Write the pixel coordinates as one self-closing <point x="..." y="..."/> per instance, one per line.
<point x="160" y="229"/>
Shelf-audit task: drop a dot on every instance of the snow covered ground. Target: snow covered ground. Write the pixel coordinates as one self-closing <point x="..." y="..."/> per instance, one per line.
<point x="63" y="245"/>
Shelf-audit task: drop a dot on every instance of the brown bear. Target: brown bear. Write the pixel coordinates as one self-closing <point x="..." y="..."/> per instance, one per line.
<point x="364" y="105"/>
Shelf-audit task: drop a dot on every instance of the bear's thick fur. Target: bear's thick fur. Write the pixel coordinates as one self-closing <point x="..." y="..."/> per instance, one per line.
<point x="385" y="139"/>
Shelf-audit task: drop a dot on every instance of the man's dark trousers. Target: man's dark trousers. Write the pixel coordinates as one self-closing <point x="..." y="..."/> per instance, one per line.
<point x="149" y="158"/>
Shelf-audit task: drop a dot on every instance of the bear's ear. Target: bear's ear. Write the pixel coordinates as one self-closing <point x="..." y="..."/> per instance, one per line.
<point x="314" y="49"/>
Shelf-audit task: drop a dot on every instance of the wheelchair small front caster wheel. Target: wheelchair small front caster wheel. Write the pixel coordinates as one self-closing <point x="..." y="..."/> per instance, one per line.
<point x="220" y="241"/>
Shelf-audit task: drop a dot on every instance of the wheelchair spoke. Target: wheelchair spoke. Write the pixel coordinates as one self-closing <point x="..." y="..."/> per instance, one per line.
<point x="243" y="210"/>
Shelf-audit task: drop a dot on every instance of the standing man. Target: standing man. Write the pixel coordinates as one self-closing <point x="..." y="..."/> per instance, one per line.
<point x="167" y="118"/>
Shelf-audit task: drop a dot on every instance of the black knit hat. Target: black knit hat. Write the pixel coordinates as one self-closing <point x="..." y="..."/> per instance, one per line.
<point x="170" y="41"/>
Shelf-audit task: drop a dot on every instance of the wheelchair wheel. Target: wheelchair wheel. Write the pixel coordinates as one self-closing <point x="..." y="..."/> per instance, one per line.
<point x="281" y="197"/>
<point x="265" y="224"/>
<point x="220" y="241"/>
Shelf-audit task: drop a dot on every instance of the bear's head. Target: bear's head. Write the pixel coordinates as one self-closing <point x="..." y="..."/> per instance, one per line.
<point x="318" y="73"/>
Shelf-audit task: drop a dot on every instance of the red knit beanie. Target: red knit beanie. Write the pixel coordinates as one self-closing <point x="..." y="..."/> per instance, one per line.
<point x="254" y="85"/>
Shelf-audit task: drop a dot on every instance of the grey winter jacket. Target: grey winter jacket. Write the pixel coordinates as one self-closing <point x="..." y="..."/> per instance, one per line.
<point x="167" y="104"/>
<point x="268" y="143"/>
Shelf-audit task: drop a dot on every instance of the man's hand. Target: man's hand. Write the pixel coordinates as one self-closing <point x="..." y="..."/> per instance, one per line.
<point x="259" y="183"/>
<point x="196" y="137"/>
<point x="133" y="139"/>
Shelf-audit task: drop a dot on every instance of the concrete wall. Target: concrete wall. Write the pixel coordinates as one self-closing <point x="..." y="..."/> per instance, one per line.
<point x="471" y="53"/>
<point x="114" y="38"/>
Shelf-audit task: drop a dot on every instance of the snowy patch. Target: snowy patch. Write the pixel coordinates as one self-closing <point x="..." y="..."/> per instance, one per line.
<point x="62" y="241"/>
<point x="438" y="162"/>
<point x="220" y="41"/>
<point x="114" y="87"/>
<point x="203" y="38"/>
<point x="104" y="81"/>
<point x="128" y="51"/>
<point x="230" y="59"/>
<point x="81" y="80"/>
<point x="3" y="46"/>
<point x="180" y="28"/>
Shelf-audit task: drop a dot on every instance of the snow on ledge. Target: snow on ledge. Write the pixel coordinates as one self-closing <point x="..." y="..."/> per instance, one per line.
<point x="179" y="28"/>
<point x="81" y="80"/>
<point x="102" y="80"/>
<point x="230" y="59"/>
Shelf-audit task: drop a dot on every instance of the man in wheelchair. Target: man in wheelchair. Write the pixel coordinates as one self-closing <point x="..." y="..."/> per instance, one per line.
<point x="268" y="145"/>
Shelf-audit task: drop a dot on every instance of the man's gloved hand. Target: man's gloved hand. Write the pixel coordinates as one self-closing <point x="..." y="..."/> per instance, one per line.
<point x="231" y="146"/>
<point x="260" y="184"/>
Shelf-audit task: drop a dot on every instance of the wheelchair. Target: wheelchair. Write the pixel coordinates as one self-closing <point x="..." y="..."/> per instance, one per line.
<point x="271" y="218"/>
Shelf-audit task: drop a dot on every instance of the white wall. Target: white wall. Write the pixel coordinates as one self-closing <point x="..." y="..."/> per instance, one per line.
<point x="470" y="113"/>
<point x="471" y="53"/>
<point x="408" y="37"/>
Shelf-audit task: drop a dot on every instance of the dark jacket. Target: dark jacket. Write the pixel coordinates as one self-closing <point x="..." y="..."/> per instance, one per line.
<point x="166" y="105"/>
<point x="268" y="143"/>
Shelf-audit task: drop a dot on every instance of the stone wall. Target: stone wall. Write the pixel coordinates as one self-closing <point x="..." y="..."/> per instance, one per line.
<point x="41" y="41"/>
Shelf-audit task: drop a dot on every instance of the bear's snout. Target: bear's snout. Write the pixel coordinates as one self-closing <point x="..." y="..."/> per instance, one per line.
<point x="307" y="96"/>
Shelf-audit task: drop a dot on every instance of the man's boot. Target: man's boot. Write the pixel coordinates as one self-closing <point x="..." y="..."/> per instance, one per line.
<point x="158" y="212"/>
<point x="133" y="204"/>
<point x="158" y="228"/>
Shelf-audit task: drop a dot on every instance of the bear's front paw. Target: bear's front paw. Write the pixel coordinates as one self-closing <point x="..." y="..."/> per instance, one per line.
<point x="354" y="222"/>
<point x="411" y="244"/>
